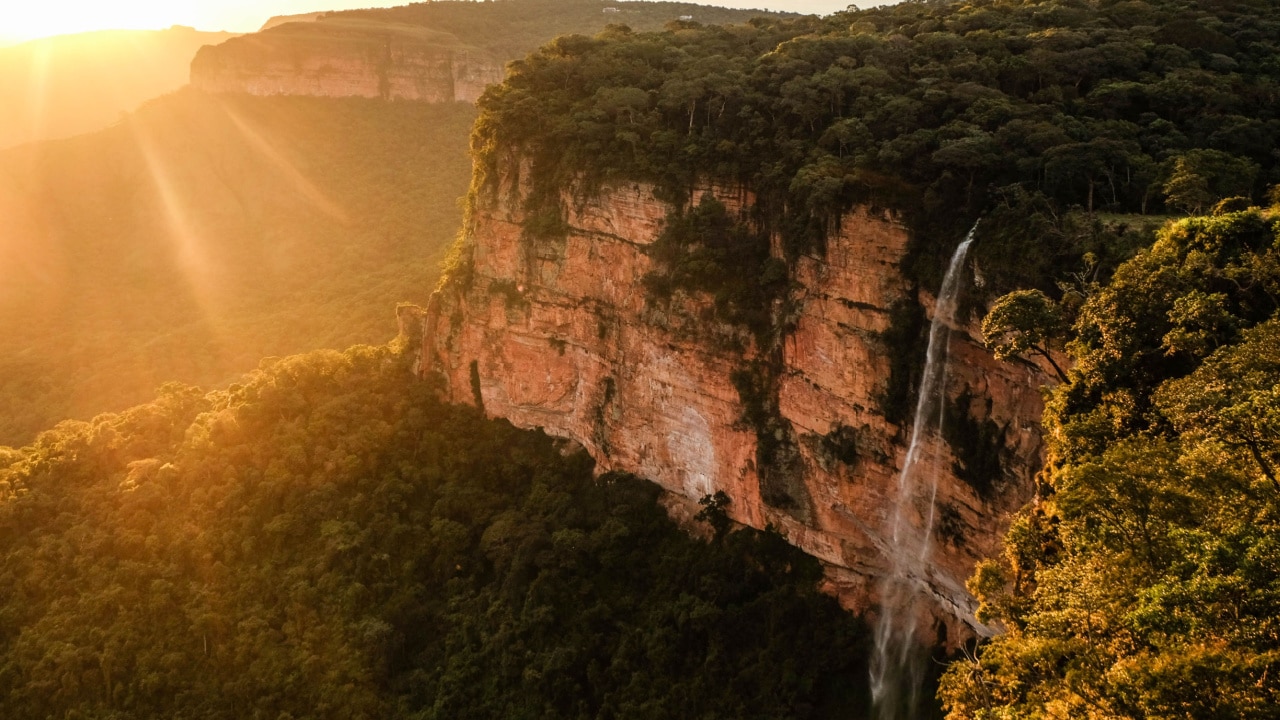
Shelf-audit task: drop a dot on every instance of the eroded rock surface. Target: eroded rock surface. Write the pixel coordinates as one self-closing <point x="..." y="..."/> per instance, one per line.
<point x="561" y="335"/>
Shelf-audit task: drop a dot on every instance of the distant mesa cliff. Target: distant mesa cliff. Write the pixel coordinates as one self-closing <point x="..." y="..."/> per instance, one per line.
<point x="432" y="51"/>
<point x="559" y="334"/>
<point x="348" y="58"/>
<point x="278" y="20"/>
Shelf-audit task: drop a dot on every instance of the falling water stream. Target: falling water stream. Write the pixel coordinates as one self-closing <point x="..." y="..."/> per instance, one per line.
<point x="898" y="660"/>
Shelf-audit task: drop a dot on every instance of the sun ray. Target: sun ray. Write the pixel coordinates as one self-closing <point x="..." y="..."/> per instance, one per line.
<point x="38" y="88"/>
<point x="189" y="244"/>
<point x="301" y="183"/>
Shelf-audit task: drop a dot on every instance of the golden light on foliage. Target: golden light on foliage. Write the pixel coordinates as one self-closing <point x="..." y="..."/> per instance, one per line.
<point x="288" y="170"/>
<point x="199" y="234"/>
<point x="188" y="245"/>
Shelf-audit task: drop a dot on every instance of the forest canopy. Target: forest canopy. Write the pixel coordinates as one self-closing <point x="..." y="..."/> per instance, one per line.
<point x="327" y="540"/>
<point x="1144" y="582"/>
<point x="939" y="110"/>
<point x="513" y="28"/>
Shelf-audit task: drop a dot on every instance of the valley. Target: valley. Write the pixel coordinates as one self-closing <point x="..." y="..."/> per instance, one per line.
<point x="656" y="360"/>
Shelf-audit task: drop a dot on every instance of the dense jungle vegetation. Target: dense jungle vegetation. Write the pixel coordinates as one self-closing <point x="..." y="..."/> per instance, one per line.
<point x="1145" y="580"/>
<point x="201" y="234"/>
<point x="941" y="110"/>
<point x="327" y="540"/>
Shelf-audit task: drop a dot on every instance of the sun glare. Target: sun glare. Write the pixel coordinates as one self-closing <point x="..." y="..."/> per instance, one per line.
<point x="22" y="20"/>
<point x="25" y="21"/>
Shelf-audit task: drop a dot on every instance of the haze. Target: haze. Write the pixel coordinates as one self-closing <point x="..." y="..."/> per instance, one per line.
<point x="20" y="22"/>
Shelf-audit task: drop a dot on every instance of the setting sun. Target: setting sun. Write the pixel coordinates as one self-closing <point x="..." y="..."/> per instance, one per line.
<point x="27" y="21"/>
<point x="33" y="20"/>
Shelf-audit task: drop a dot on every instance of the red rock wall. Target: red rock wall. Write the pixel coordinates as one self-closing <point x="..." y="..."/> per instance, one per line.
<point x="563" y="339"/>
<point x="390" y="68"/>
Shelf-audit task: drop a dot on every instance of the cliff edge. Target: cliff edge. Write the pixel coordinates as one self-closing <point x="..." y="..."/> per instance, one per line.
<point x="347" y="58"/>
<point x="561" y="334"/>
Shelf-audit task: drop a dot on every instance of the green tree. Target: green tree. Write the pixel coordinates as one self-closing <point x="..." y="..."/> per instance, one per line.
<point x="1024" y="321"/>
<point x="1233" y="399"/>
<point x="1142" y="582"/>
<point x="326" y="539"/>
<point x="1187" y="189"/>
<point x="1202" y="177"/>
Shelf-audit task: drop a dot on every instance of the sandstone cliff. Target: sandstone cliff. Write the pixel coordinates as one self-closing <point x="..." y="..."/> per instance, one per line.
<point x="348" y="58"/>
<point x="560" y="335"/>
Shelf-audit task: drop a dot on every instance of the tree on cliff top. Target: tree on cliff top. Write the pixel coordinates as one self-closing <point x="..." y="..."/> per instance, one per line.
<point x="933" y="109"/>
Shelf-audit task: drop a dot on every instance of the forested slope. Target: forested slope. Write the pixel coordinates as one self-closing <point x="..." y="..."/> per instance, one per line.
<point x="1145" y="582"/>
<point x="201" y="234"/>
<point x="326" y="540"/>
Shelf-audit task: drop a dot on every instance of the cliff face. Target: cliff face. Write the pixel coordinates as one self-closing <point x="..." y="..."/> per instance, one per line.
<point x="560" y="335"/>
<point x="330" y="59"/>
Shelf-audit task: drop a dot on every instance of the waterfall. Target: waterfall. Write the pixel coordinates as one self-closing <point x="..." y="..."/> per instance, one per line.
<point x="898" y="660"/>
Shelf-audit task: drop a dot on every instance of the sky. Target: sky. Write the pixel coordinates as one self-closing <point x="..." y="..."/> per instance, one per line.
<point x="22" y="20"/>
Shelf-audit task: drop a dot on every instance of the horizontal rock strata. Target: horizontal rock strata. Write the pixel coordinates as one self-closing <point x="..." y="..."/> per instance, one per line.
<point x="330" y="59"/>
<point x="560" y="335"/>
